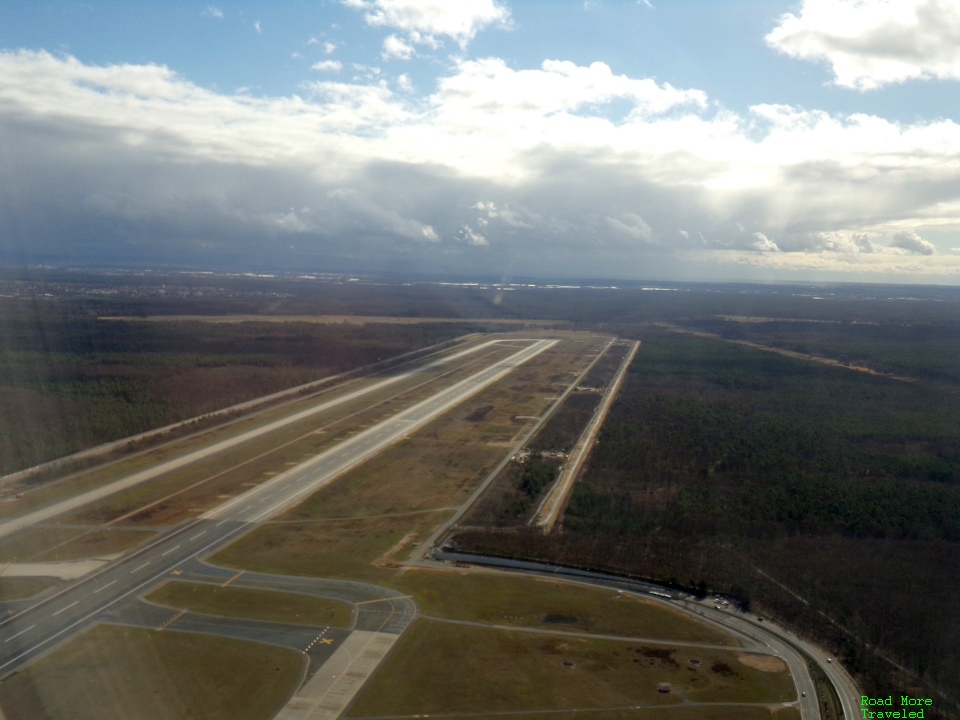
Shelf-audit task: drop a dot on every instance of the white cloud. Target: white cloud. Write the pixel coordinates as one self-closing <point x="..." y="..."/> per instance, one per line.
<point x="910" y="241"/>
<point x="396" y="49"/>
<point x="473" y="237"/>
<point x="631" y="225"/>
<point x="763" y="243"/>
<point x="329" y="47"/>
<point x="404" y="83"/>
<point x="313" y="41"/>
<point x="333" y="66"/>
<point x="427" y="20"/>
<point x="213" y="12"/>
<point x="549" y="178"/>
<point x="490" y="85"/>
<point x="257" y="26"/>
<point x="871" y="43"/>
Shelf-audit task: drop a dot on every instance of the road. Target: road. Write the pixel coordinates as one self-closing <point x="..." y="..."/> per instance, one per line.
<point x="556" y="500"/>
<point x="36" y="629"/>
<point x="15" y="524"/>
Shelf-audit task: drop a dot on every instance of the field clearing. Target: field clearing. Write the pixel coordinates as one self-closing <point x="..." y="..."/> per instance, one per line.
<point x="503" y="599"/>
<point x="340" y="549"/>
<point x="429" y="672"/>
<point x="151" y="675"/>
<point x="60" y="544"/>
<point x="400" y="479"/>
<point x="442" y="463"/>
<point x="254" y="604"/>
<point x="21" y="588"/>
<point x="336" y="319"/>
<point x="418" y="473"/>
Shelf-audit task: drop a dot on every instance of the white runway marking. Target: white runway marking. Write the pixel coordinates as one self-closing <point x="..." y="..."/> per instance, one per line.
<point x="20" y="633"/>
<point x="66" y="608"/>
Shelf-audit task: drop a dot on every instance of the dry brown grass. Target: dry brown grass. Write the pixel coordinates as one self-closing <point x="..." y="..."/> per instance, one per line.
<point x="444" y="668"/>
<point x="125" y="673"/>
<point x="61" y="544"/>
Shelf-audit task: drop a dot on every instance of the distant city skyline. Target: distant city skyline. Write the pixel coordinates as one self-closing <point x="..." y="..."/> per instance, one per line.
<point x="714" y="140"/>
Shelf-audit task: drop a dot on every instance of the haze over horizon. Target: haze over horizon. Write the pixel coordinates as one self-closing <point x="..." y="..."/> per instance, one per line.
<point x="773" y="140"/>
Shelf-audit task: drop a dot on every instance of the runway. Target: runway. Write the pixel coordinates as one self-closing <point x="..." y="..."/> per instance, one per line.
<point x="14" y="524"/>
<point x="40" y="627"/>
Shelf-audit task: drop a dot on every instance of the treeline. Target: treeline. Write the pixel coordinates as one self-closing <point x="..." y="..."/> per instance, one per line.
<point x="921" y="348"/>
<point x="70" y="381"/>
<point x="740" y="471"/>
<point x="513" y="495"/>
<point x="628" y="309"/>
<point x="566" y="425"/>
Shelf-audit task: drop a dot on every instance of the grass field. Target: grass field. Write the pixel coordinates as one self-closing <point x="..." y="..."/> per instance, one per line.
<point x="59" y="544"/>
<point x="20" y="588"/>
<point x="440" y="667"/>
<point x="120" y="673"/>
<point x="342" y="549"/>
<point x="254" y="604"/>
<point x="502" y="599"/>
<point x="443" y="463"/>
<point x="438" y="466"/>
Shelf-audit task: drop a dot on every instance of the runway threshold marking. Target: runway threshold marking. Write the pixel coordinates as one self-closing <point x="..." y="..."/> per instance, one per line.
<point x="66" y="608"/>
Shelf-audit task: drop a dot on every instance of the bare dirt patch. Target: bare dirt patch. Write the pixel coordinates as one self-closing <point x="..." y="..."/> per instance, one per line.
<point x="764" y="663"/>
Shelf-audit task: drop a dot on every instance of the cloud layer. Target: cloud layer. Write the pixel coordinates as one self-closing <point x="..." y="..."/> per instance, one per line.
<point x="872" y="43"/>
<point x="559" y="169"/>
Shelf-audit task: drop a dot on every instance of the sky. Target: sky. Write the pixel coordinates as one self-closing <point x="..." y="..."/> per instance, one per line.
<point x="759" y="140"/>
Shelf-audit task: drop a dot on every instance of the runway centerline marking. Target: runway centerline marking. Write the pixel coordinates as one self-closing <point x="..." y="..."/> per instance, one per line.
<point x="170" y="551"/>
<point x="20" y="633"/>
<point x="140" y="567"/>
<point x="198" y="535"/>
<point x="66" y="608"/>
<point x="104" y="587"/>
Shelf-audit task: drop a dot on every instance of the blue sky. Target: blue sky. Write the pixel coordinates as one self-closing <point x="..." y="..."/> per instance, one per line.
<point x="687" y="139"/>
